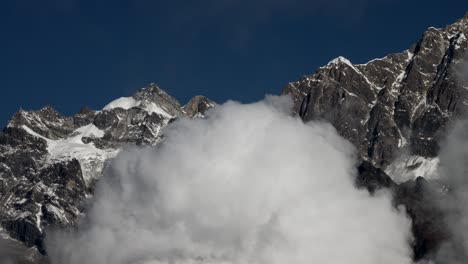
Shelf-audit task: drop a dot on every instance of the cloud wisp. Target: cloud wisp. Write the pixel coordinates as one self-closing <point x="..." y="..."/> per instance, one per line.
<point x="248" y="184"/>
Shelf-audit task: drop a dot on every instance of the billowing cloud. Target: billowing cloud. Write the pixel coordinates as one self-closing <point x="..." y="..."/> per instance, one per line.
<point x="6" y="253"/>
<point x="453" y="171"/>
<point x="248" y="184"/>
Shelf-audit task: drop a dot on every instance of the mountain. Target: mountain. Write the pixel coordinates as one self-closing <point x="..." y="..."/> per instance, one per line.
<point x="394" y="110"/>
<point x="49" y="163"/>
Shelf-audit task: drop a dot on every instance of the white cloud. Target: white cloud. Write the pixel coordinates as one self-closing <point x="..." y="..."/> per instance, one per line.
<point x="453" y="170"/>
<point x="249" y="184"/>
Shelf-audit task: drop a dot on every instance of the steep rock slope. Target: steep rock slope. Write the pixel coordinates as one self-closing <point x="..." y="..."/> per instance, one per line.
<point x="395" y="106"/>
<point x="49" y="163"/>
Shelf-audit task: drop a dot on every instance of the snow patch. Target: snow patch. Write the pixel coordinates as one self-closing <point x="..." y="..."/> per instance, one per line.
<point x="90" y="131"/>
<point x="340" y="60"/>
<point x="460" y="40"/>
<point x="400" y="78"/>
<point x="30" y="131"/>
<point x="59" y="213"/>
<point x="402" y="142"/>
<point x="39" y="216"/>
<point x="350" y="93"/>
<point x="130" y="102"/>
<point x="376" y="59"/>
<point x="122" y="102"/>
<point x="91" y="158"/>
<point x="410" y="167"/>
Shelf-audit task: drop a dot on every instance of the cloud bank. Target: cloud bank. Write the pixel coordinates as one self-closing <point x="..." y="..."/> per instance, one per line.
<point x="454" y="170"/>
<point x="248" y="184"/>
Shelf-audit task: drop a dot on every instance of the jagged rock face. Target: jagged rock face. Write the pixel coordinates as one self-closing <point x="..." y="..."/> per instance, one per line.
<point x="49" y="163"/>
<point x="47" y="122"/>
<point x="198" y="105"/>
<point x="400" y="102"/>
<point x="372" y="178"/>
<point x="153" y="94"/>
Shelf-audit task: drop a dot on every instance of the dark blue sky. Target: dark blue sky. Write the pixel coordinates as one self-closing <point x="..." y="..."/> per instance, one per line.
<point x="71" y="53"/>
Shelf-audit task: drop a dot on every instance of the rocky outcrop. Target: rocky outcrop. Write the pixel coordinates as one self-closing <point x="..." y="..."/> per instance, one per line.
<point x="198" y="105"/>
<point x="421" y="199"/>
<point x="372" y="178"/>
<point x="153" y="94"/>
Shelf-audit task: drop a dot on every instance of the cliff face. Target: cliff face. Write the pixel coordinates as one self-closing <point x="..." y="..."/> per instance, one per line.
<point x="396" y="111"/>
<point x="400" y="103"/>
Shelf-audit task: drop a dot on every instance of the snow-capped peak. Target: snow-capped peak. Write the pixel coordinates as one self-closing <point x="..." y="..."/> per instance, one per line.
<point x="130" y="102"/>
<point x="340" y="60"/>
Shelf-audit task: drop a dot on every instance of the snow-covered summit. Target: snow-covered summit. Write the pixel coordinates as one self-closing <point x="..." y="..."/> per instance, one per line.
<point x="151" y="99"/>
<point x="339" y="60"/>
<point x="130" y="102"/>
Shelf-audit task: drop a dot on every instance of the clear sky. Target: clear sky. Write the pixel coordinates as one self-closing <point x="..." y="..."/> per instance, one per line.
<point x="72" y="53"/>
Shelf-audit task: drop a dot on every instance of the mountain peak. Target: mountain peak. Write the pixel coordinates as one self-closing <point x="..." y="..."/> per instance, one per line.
<point x="153" y="94"/>
<point x="197" y="106"/>
<point x="48" y="110"/>
<point x="459" y="26"/>
<point x="151" y="98"/>
<point x="151" y="89"/>
<point x="340" y="60"/>
<point x="416" y="88"/>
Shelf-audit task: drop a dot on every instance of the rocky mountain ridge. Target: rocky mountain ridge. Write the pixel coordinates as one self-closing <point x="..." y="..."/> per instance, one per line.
<point x="395" y="105"/>
<point x="49" y="163"/>
<point x="394" y="110"/>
